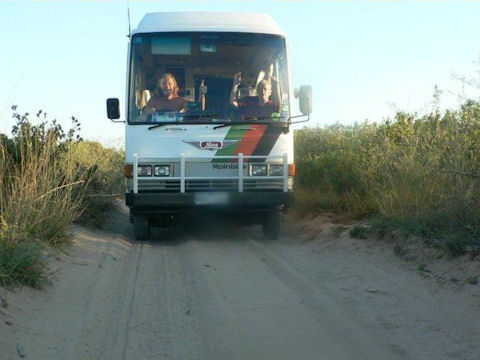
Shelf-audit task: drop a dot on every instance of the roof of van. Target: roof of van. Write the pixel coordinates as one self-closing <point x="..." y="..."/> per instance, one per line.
<point x="208" y="21"/>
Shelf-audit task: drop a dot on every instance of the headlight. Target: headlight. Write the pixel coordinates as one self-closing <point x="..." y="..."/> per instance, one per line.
<point x="258" y="170"/>
<point x="276" y="170"/>
<point x="162" y="170"/>
<point x="144" y="170"/>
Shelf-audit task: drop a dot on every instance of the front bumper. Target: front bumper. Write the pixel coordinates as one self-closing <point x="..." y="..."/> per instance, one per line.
<point x="235" y="201"/>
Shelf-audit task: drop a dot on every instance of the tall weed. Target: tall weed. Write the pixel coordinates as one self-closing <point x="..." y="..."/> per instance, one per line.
<point x="44" y="184"/>
<point x="425" y="172"/>
<point x="419" y="172"/>
<point x="105" y="180"/>
<point x="327" y="177"/>
<point x="40" y="184"/>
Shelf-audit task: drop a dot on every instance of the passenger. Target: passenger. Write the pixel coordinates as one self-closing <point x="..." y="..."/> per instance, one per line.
<point x="166" y="97"/>
<point x="260" y="106"/>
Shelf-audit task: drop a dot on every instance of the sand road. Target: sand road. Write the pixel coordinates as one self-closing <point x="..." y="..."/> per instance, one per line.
<point x="218" y="291"/>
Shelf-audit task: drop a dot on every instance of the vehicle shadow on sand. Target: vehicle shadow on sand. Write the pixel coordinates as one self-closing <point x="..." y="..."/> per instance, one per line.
<point x="202" y="227"/>
<point x="193" y="227"/>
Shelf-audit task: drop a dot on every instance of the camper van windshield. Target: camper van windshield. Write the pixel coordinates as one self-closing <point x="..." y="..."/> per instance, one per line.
<point x="208" y="77"/>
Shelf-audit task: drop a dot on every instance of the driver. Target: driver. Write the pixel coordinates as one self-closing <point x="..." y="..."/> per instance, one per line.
<point x="166" y="97"/>
<point x="260" y="106"/>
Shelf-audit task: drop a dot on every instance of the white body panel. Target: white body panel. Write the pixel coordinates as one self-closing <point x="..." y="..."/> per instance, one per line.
<point x="170" y="141"/>
<point x="208" y="21"/>
<point x="167" y="143"/>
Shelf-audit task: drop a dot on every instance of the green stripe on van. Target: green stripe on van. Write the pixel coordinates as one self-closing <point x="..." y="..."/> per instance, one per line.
<point x="236" y="132"/>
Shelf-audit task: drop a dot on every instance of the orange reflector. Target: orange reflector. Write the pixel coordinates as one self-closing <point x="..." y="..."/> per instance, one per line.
<point x="128" y="171"/>
<point x="291" y="170"/>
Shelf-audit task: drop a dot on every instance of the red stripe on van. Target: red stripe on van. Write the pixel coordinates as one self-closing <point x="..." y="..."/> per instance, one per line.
<point x="250" y="140"/>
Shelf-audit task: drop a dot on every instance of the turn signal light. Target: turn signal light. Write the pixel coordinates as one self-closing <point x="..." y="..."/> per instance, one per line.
<point x="291" y="170"/>
<point x="128" y="171"/>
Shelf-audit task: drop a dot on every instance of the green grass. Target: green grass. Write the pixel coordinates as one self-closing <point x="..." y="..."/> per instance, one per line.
<point x="419" y="174"/>
<point x="360" y="232"/>
<point x="48" y="180"/>
<point x="105" y="180"/>
<point x="21" y="263"/>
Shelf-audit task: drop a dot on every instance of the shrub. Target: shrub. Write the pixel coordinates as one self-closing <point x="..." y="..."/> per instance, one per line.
<point x="22" y="263"/>
<point x="47" y="178"/>
<point x="424" y="172"/>
<point x="105" y="180"/>
<point x="359" y="232"/>
<point x="421" y="173"/>
<point x="41" y="188"/>
<point x="327" y="177"/>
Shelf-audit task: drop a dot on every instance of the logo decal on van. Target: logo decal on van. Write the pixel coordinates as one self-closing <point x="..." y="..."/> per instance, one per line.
<point x="212" y="145"/>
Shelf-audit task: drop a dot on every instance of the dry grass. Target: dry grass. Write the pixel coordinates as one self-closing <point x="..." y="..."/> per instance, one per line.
<point x="40" y="191"/>
<point x="47" y="178"/>
<point x="418" y="173"/>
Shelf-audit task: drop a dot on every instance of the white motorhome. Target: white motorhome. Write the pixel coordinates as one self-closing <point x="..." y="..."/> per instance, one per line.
<point x="209" y="152"/>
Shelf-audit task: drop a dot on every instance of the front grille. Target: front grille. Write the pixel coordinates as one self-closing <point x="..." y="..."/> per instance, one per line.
<point x="211" y="185"/>
<point x="160" y="185"/>
<point x="263" y="184"/>
<point x="249" y="184"/>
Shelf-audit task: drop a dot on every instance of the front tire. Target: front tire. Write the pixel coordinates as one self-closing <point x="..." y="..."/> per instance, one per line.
<point x="271" y="224"/>
<point x="141" y="228"/>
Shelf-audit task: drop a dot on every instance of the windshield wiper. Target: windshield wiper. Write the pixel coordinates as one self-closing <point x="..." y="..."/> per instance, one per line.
<point x="165" y="123"/>
<point x="185" y="120"/>
<point x="223" y="122"/>
<point x="277" y="118"/>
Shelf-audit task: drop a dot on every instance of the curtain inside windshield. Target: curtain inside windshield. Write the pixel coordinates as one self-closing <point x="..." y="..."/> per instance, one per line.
<point x="208" y="77"/>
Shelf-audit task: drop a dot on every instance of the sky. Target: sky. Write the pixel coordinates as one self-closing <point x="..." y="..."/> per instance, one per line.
<point x="364" y="59"/>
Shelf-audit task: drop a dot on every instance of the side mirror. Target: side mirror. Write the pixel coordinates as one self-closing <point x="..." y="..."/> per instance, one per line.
<point x="113" y="109"/>
<point x="304" y="95"/>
